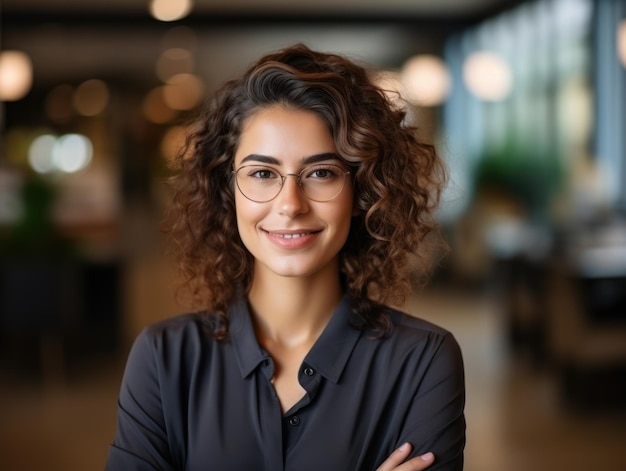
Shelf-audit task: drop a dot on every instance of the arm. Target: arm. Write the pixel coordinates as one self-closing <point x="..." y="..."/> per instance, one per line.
<point x="141" y="442"/>
<point x="435" y="420"/>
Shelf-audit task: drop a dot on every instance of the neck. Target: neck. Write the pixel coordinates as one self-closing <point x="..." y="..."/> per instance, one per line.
<point x="290" y="310"/>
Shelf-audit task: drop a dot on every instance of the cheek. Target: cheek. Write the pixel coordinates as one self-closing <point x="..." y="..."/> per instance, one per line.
<point x="248" y="214"/>
<point x="242" y="212"/>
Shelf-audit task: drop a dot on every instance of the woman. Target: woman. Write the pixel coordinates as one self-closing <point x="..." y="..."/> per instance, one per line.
<point x="298" y="205"/>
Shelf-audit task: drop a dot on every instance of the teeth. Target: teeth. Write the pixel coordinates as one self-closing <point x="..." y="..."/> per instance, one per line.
<point x="290" y="236"/>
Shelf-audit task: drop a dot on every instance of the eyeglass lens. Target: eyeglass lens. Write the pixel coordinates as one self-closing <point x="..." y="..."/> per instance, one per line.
<point x="319" y="183"/>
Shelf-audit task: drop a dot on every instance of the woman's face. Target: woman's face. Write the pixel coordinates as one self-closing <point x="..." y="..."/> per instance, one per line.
<point x="291" y="235"/>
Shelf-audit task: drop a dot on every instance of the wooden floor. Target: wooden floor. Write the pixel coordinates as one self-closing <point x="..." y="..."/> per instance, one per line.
<point x="516" y="417"/>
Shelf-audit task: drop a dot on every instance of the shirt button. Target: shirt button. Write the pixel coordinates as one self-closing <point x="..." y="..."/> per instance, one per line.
<point x="309" y="371"/>
<point x="294" y="420"/>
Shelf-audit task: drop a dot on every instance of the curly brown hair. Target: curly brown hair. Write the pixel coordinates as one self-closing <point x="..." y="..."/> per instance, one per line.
<point x="397" y="182"/>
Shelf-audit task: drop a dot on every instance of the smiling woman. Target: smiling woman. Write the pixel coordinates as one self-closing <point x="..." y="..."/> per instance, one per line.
<point x="315" y="206"/>
<point x="299" y="204"/>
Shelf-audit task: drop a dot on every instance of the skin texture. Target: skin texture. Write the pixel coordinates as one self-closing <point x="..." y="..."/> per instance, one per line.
<point x="290" y="136"/>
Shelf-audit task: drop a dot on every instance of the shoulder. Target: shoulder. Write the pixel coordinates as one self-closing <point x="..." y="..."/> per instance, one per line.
<point x="177" y="324"/>
<point x="181" y="325"/>
<point x="405" y="325"/>
<point x="172" y="349"/>
<point x="424" y="351"/>
<point x="420" y="336"/>
<point x="187" y="332"/>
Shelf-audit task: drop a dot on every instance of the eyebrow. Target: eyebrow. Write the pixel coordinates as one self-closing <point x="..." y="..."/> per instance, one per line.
<point x="307" y="160"/>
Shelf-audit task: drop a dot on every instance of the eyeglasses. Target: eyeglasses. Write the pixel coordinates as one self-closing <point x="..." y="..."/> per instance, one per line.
<point x="260" y="183"/>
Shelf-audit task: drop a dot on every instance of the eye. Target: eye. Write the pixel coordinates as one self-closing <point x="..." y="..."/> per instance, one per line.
<point x="262" y="173"/>
<point x="324" y="172"/>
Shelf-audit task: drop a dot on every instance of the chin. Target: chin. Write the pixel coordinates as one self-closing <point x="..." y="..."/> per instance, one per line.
<point x="292" y="272"/>
<point x="297" y="270"/>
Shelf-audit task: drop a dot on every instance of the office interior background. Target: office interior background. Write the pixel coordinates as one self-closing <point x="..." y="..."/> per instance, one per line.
<point x="525" y="100"/>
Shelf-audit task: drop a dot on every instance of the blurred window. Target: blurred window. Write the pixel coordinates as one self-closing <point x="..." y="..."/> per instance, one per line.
<point x="544" y="123"/>
<point x="609" y="75"/>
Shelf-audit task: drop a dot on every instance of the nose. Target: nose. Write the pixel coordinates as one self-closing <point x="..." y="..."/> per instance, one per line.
<point x="291" y="201"/>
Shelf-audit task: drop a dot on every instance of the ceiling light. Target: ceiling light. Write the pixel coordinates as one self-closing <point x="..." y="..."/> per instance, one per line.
<point x="170" y="10"/>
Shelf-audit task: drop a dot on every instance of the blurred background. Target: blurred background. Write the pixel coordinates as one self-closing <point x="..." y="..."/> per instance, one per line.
<point x="526" y="101"/>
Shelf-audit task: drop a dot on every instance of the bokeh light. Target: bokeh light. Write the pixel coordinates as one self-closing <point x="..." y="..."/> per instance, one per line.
<point x="68" y="153"/>
<point x="91" y="97"/>
<point x="72" y="152"/>
<point x="154" y="107"/>
<point x="172" y="61"/>
<point x="426" y="80"/>
<point x="173" y="141"/>
<point x="487" y="76"/>
<point x="170" y="10"/>
<point x="183" y="91"/>
<point x="40" y="153"/>
<point x="16" y="75"/>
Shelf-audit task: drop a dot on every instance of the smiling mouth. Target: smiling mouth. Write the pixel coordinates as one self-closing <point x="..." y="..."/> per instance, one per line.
<point x="290" y="236"/>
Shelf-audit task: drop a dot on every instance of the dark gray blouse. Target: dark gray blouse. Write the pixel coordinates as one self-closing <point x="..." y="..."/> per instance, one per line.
<point x="188" y="402"/>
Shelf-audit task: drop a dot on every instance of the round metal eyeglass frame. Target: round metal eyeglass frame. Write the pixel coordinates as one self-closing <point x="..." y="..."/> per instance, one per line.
<point x="298" y="176"/>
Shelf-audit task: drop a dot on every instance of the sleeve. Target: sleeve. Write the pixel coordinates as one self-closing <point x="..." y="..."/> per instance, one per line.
<point x="141" y="442"/>
<point x="436" y="421"/>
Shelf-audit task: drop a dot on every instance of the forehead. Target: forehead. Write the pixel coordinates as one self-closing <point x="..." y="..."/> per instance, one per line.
<point x="286" y="134"/>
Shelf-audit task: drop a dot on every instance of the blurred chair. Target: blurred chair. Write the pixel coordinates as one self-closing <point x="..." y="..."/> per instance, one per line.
<point x="56" y="313"/>
<point x="37" y="304"/>
<point x="586" y="328"/>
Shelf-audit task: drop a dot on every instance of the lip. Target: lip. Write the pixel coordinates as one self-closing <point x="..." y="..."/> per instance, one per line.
<point x="291" y="239"/>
